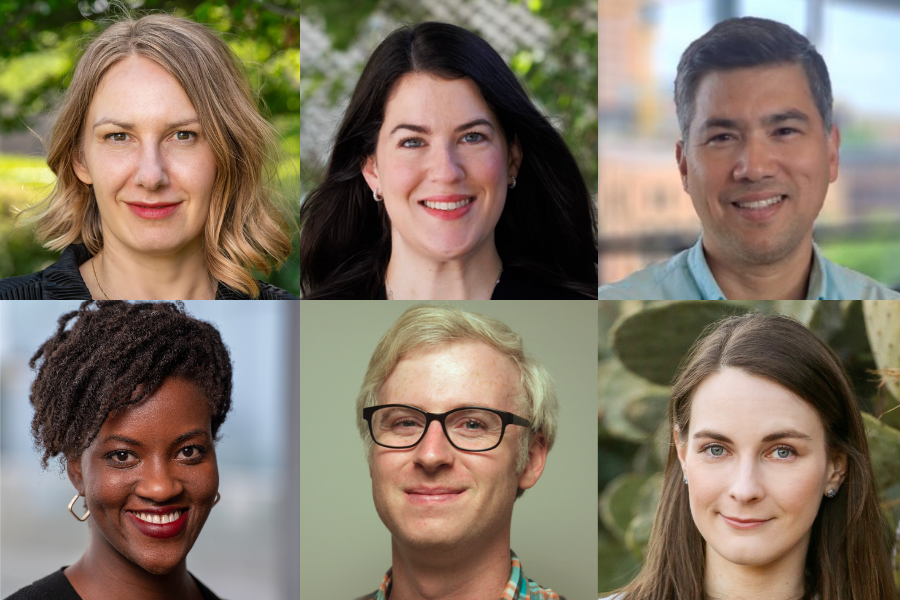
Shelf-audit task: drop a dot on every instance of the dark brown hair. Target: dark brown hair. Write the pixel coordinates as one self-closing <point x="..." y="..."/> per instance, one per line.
<point x="114" y="355"/>
<point x="848" y="556"/>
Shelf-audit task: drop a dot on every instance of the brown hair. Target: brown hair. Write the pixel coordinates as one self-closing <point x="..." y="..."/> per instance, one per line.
<point x="244" y="230"/>
<point x="848" y="556"/>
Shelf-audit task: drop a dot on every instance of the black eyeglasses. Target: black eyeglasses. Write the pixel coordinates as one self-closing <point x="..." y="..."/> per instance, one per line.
<point x="470" y="428"/>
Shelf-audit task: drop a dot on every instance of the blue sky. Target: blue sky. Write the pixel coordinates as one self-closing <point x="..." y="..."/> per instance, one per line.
<point x="860" y="44"/>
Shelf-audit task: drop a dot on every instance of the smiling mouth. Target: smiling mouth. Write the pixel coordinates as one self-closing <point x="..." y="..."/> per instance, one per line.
<point x="158" y="519"/>
<point x="448" y="205"/>
<point x="760" y="204"/>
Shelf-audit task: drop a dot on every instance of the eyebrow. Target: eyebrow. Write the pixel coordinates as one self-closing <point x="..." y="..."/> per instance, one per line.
<point x="124" y="125"/>
<point x="463" y="127"/>
<point x="773" y="119"/>
<point x="181" y="438"/>
<point x="776" y="435"/>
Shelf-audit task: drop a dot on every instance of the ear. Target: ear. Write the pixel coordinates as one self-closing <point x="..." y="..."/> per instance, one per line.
<point x="837" y="471"/>
<point x="515" y="159"/>
<point x="682" y="164"/>
<point x="680" y="448"/>
<point x="370" y="172"/>
<point x="80" y="169"/>
<point x="73" y="469"/>
<point x="537" y="458"/>
<point x="834" y="153"/>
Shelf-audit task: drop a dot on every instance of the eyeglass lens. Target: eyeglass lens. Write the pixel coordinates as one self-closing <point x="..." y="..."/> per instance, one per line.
<point x="469" y="429"/>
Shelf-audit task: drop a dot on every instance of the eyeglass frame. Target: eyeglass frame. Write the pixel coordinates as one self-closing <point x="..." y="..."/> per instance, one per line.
<point x="506" y="418"/>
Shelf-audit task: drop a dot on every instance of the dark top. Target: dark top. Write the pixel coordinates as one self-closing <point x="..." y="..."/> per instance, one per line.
<point x="62" y="281"/>
<point x="56" y="586"/>
<point x="515" y="284"/>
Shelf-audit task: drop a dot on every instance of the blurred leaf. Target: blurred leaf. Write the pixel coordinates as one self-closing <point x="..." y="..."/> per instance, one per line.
<point x="619" y="502"/>
<point x="883" y="328"/>
<point x="884" y="450"/>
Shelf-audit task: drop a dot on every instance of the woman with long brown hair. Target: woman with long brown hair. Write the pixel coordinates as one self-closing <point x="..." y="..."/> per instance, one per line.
<point x="768" y="489"/>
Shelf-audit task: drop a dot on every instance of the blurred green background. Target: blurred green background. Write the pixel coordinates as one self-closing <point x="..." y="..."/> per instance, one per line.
<point x="304" y="58"/>
<point x="636" y="365"/>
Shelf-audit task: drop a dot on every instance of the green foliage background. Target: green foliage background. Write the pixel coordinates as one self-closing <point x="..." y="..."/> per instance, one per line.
<point x="40" y="41"/>
<point x="636" y="365"/>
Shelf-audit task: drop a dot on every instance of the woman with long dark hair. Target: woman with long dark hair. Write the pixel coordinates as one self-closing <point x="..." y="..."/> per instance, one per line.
<point x="446" y="182"/>
<point x="768" y="490"/>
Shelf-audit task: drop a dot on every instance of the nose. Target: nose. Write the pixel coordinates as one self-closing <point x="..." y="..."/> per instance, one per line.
<point x="158" y="483"/>
<point x="433" y="450"/>
<point x="756" y="160"/>
<point x="446" y="164"/>
<point x="151" y="172"/>
<point x="746" y="485"/>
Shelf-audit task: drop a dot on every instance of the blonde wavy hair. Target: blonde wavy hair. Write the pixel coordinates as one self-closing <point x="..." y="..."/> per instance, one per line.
<point x="427" y="326"/>
<point x="245" y="230"/>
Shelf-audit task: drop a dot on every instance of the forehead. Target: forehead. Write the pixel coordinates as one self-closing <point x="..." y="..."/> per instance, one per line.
<point x="446" y="377"/>
<point x="421" y="98"/>
<point x="750" y="94"/>
<point x="177" y="405"/>
<point x="742" y="406"/>
<point x="137" y="88"/>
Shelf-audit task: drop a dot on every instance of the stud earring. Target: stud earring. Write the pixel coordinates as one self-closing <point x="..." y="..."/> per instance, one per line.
<point x="512" y="182"/>
<point x="684" y="479"/>
<point x="831" y="493"/>
<point x="72" y="503"/>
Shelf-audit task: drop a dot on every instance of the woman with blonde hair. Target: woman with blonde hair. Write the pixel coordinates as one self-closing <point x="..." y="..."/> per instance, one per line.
<point x="162" y="162"/>
<point x="768" y="489"/>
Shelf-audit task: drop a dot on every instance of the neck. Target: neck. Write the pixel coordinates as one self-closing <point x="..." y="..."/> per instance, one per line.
<point x="786" y="279"/>
<point x="411" y="276"/>
<point x="476" y="572"/>
<point x="123" y="274"/>
<point x="102" y="574"/>
<point x="779" y="580"/>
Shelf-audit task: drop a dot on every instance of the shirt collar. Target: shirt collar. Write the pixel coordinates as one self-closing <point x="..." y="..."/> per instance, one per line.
<point x="709" y="289"/>
<point x="516" y="587"/>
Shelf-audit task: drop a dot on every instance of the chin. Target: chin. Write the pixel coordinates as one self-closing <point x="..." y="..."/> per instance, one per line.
<point x="747" y="556"/>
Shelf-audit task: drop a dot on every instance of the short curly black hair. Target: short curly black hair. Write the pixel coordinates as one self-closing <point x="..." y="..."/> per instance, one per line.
<point x="114" y="355"/>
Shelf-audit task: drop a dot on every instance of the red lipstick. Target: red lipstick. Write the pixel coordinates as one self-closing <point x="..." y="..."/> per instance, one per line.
<point x="153" y="211"/>
<point x="160" y="531"/>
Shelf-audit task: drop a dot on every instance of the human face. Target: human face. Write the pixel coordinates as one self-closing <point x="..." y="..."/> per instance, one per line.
<point x="442" y="164"/>
<point x="152" y="459"/>
<point x="757" y="163"/>
<point x="757" y="465"/>
<point x="433" y="495"/>
<point x="148" y="159"/>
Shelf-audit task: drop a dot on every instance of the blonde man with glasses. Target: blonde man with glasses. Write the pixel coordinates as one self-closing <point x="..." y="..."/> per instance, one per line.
<point x="457" y="422"/>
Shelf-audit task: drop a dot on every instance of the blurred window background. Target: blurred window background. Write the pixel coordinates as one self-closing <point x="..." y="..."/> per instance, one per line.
<point x="645" y="216"/>
<point x="242" y="552"/>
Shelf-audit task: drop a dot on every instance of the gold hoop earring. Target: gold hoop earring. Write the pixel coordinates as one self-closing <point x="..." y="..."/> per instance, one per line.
<point x="218" y="497"/>
<point x="72" y="503"/>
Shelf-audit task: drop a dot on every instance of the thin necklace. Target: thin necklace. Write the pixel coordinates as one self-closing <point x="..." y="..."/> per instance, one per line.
<point x="390" y="294"/>
<point x="94" y="265"/>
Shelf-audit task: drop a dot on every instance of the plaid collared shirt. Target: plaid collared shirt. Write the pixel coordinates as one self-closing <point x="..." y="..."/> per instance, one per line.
<point x="519" y="587"/>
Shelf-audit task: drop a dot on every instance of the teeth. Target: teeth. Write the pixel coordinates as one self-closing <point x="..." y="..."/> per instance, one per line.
<point x="761" y="203"/>
<point x="158" y="519"/>
<point x="448" y="205"/>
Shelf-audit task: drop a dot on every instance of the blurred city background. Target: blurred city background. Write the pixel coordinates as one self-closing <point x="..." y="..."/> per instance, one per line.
<point x="645" y="216"/>
<point x="550" y="44"/>
<point x="245" y="549"/>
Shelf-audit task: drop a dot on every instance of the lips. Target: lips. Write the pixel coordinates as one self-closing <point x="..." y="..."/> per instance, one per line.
<point x="153" y="211"/>
<point x="159" y="523"/>
<point x="423" y="495"/>
<point x="447" y="207"/>
<point x="738" y="523"/>
<point x="760" y="204"/>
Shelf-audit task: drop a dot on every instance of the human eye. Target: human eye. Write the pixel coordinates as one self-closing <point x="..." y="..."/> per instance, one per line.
<point x="411" y="142"/>
<point x="191" y="454"/>
<point x="720" y="138"/>
<point x="116" y="136"/>
<point x="783" y="453"/>
<point x="121" y="458"/>
<point x="472" y="137"/>
<point x="185" y="136"/>
<point x="713" y="450"/>
<point x="786" y="131"/>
